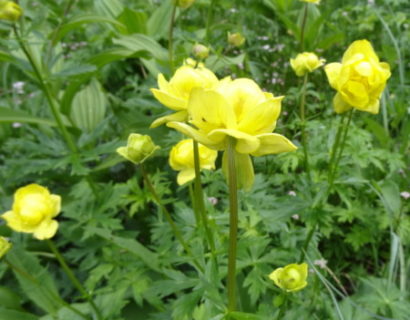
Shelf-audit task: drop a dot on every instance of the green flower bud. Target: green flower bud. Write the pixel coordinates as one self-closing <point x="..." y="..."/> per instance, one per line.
<point x="236" y="39"/>
<point x="184" y="3"/>
<point x="10" y="11"/>
<point x="5" y="246"/>
<point x="200" y="51"/>
<point x="139" y="148"/>
<point x="291" y="277"/>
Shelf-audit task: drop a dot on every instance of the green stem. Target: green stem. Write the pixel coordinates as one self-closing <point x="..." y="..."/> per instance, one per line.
<point x="339" y="156"/>
<point x="52" y="295"/>
<point x="303" y="126"/>
<point x="47" y="92"/>
<point x="196" y="213"/>
<point x="209" y="20"/>
<point x="73" y="278"/>
<point x="334" y="151"/>
<point x="171" y="38"/>
<point x="306" y="243"/>
<point x="168" y="217"/>
<point x="199" y="198"/>
<point x="303" y="26"/>
<point x="283" y="307"/>
<point x="233" y="224"/>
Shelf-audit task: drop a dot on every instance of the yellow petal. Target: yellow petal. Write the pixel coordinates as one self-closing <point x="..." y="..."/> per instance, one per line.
<point x="46" y="230"/>
<point x="168" y="100"/>
<point x="177" y="116"/>
<point x="362" y="47"/>
<point x="57" y="205"/>
<point x="262" y="119"/>
<point x="15" y="223"/>
<point x="275" y="276"/>
<point x="245" y="143"/>
<point x="194" y="134"/>
<point x="333" y="73"/>
<point x="273" y="143"/>
<point x="185" y="176"/>
<point x="339" y="104"/>
<point x="244" y="170"/>
<point x="209" y="110"/>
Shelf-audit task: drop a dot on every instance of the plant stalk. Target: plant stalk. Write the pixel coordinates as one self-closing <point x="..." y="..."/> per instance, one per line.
<point x="303" y="126"/>
<point x="73" y="278"/>
<point x="171" y="38"/>
<point x="303" y="26"/>
<point x="233" y="224"/>
<point x="209" y="20"/>
<point x="168" y="217"/>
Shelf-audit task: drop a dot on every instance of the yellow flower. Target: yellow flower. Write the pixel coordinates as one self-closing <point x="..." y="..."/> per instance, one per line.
<point x="236" y="39"/>
<point x="200" y="51"/>
<point x="311" y="1"/>
<point x="139" y="148"/>
<point x="33" y="211"/>
<point x="359" y="80"/>
<point x="5" y="246"/>
<point x="238" y="109"/>
<point x="305" y="62"/>
<point x="184" y="3"/>
<point x="291" y="278"/>
<point x="181" y="158"/>
<point x="10" y="11"/>
<point x="175" y="93"/>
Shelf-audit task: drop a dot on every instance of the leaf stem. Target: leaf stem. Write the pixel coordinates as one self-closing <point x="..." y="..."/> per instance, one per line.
<point x="73" y="278"/>
<point x="168" y="217"/>
<point x="303" y="27"/>
<point x="303" y="126"/>
<point x="171" y="38"/>
<point x="233" y="224"/>
<point x="209" y="20"/>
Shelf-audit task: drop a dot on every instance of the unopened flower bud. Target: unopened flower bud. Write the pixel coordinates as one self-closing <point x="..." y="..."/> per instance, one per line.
<point x="139" y="148"/>
<point x="200" y="51"/>
<point x="10" y="11"/>
<point x="236" y="39"/>
<point x="184" y="3"/>
<point x="5" y="246"/>
<point x="291" y="277"/>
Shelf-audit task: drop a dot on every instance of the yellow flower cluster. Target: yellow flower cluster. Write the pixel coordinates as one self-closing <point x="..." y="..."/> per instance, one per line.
<point x="10" y="11"/>
<point x="359" y="80"/>
<point x="306" y="62"/>
<point x="181" y="159"/>
<point x="291" y="278"/>
<point x="33" y="211"/>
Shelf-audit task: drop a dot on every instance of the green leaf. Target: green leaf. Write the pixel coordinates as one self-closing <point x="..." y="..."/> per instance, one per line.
<point x="215" y="63"/>
<point x="160" y="20"/>
<point x="140" y="42"/>
<point x="108" y="56"/>
<point x="78" y="21"/>
<point x="132" y="246"/>
<point x="36" y="282"/>
<point x="244" y="316"/>
<point x="134" y="21"/>
<point x="10" y="115"/>
<point x="6" y="314"/>
<point x="89" y="106"/>
<point x="9" y="299"/>
<point x="74" y="71"/>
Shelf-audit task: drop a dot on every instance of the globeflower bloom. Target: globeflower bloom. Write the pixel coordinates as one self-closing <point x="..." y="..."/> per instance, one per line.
<point x="181" y="158"/>
<point x="10" y="11"/>
<point x="5" y="246"/>
<point x="290" y="278"/>
<point x="359" y="80"/>
<point x="33" y="211"/>
<point x="306" y="62"/>
<point x="175" y="93"/>
<point x="139" y="148"/>
<point x="238" y="109"/>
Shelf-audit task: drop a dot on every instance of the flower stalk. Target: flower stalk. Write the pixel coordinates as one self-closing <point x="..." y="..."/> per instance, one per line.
<point x="171" y="37"/>
<point x="233" y="224"/>
<point x="73" y="278"/>
<point x="303" y="27"/>
<point x="303" y="126"/>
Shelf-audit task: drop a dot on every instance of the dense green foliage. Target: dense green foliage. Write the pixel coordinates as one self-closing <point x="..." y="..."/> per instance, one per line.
<point x="98" y="59"/>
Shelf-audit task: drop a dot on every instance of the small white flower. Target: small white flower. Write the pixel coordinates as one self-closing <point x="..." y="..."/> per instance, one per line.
<point x="213" y="200"/>
<point x="322" y="263"/>
<point x="295" y="217"/>
<point x="16" y="125"/>
<point x="292" y="193"/>
<point x="18" y="87"/>
<point x="405" y="194"/>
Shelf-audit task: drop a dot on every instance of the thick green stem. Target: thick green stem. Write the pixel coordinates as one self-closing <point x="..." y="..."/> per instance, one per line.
<point x="303" y="126"/>
<point x="196" y="213"/>
<point x="168" y="217"/>
<point x="73" y="278"/>
<point x="283" y="307"/>
<point x="233" y="224"/>
<point x="45" y="88"/>
<point x="171" y="38"/>
<point x="306" y="243"/>
<point x="334" y="151"/>
<point x="199" y="198"/>
<point x="51" y="294"/>
<point x="209" y="20"/>
<point x="303" y="26"/>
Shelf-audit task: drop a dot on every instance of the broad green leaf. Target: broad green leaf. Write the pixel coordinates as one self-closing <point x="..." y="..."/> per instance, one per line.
<point x="89" y="106"/>
<point x="391" y="195"/>
<point x="10" y="115"/>
<point x="244" y="316"/>
<point x="78" y="21"/>
<point x="108" y="56"/>
<point x="134" y="21"/>
<point x="215" y="63"/>
<point x="158" y="23"/>
<point x="140" y="42"/>
<point x="7" y="314"/>
<point x="35" y="281"/>
<point x="109" y="8"/>
<point x="9" y="299"/>
<point x="74" y="71"/>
